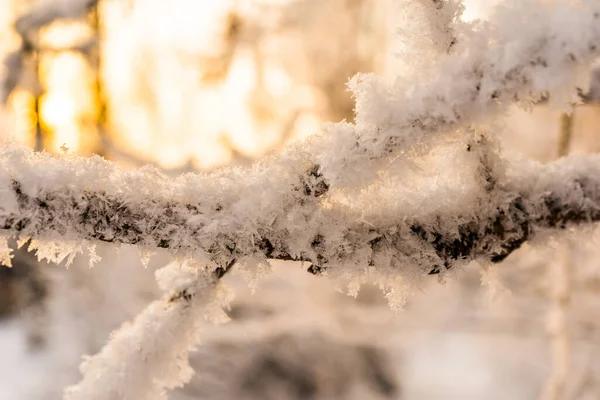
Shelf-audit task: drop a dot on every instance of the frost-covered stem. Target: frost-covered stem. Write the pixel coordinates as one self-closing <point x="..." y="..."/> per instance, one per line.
<point x="436" y="21"/>
<point x="144" y="358"/>
<point x="558" y="327"/>
<point x="560" y="276"/>
<point x="508" y="60"/>
<point x="233" y="217"/>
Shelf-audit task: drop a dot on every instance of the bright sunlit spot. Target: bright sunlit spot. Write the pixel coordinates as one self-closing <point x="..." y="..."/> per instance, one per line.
<point x="243" y="111"/>
<point x="203" y="119"/>
<point x="64" y="35"/>
<point x="66" y="102"/>
<point x="58" y="109"/>
<point x="22" y="123"/>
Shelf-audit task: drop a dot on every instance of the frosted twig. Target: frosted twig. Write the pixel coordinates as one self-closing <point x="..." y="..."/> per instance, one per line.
<point x="272" y="212"/>
<point x="560" y="280"/>
<point x="566" y="133"/>
<point x="506" y="60"/>
<point x="145" y="357"/>
<point x="437" y="22"/>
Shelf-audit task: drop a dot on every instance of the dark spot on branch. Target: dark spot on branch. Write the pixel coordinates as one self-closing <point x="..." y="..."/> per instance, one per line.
<point x="315" y="269"/>
<point x="318" y="242"/>
<point x="314" y="183"/>
<point x="220" y="271"/>
<point x="451" y="45"/>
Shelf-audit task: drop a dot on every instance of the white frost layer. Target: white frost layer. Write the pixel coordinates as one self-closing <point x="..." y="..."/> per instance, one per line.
<point x="528" y="48"/>
<point x="144" y="358"/>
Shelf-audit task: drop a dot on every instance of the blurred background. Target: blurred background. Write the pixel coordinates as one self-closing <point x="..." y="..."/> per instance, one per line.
<point x="190" y="85"/>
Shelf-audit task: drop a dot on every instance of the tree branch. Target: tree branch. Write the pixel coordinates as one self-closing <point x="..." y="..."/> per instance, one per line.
<point x="295" y="224"/>
<point x="497" y="63"/>
<point x="282" y="208"/>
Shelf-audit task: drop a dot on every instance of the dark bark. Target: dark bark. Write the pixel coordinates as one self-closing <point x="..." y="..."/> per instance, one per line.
<point x="517" y="216"/>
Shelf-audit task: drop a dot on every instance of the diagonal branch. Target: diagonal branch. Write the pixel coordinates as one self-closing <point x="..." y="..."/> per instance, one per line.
<point x="500" y="62"/>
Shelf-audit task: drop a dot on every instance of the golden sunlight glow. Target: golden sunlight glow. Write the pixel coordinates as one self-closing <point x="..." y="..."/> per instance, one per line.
<point x="58" y="114"/>
<point x="307" y="125"/>
<point x="66" y="102"/>
<point x="68" y="136"/>
<point x="58" y="109"/>
<point x="177" y="118"/>
<point x="62" y="35"/>
<point x="233" y="112"/>
<point x="182" y="90"/>
<point x="160" y="107"/>
<point x="21" y="123"/>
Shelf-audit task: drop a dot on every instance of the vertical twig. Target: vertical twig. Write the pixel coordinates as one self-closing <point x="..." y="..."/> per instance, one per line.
<point x="560" y="280"/>
<point x="37" y="95"/>
<point x="39" y="134"/>
<point x="96" y="63"/>
<point x="566" y="132"/>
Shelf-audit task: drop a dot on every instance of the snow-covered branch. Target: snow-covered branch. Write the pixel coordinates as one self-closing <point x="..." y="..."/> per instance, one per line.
<point x="274" y="212"/>
<point x="150" y="355"/>
<point x="507" y="60"/>
<point x="438" y="23"/>
<point x="284" y="207"/>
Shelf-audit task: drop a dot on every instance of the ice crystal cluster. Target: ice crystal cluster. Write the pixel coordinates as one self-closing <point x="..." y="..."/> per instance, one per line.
<point x="415" y="186"/>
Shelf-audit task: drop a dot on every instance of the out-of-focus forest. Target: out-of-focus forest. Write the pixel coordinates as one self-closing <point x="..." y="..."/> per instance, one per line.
<point x="190" y="85"/>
